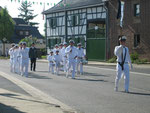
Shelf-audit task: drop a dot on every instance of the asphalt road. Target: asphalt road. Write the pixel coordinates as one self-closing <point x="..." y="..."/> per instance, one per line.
<point x="92" y="92"/>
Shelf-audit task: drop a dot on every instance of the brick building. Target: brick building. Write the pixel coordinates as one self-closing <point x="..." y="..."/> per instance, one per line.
<point x="136" y="26"/>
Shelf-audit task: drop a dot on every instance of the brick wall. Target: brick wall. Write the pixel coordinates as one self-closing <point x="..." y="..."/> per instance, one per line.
<point x="132" y="25"/>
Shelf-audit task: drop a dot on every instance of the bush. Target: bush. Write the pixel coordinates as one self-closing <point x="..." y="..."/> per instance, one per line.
<point x="134" y="57"/>
<point x="43" y="51"/>
<point x="43" y="57"/>
<point x="140" y="61"/>
<point x="112" y="60"/>
<point x="5" y="58"/>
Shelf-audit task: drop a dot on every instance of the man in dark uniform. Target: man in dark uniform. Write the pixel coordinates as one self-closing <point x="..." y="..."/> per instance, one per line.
<point x="33" y="56"/>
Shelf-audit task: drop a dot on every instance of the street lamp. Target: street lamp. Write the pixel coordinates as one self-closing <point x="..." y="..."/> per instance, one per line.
<point x="4" y="41"/>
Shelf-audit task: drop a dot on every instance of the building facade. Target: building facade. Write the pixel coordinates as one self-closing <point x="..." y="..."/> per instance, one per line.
<point x="94" y="24"/>
<point x="135" y="26"/>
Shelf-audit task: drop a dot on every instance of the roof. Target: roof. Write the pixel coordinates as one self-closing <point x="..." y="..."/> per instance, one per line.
<point x="21" y="25"/>
<point x="33" y="31"/>
<point x="19" y="21"/>
<point x="72" y="4"/>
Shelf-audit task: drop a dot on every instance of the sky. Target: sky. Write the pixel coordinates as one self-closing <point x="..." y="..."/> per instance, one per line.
<point x="13" y="5"/>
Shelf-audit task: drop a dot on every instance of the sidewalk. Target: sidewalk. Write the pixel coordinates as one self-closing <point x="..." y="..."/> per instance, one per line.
<point x="11" y="102"/>
<point x="97" y="63"/>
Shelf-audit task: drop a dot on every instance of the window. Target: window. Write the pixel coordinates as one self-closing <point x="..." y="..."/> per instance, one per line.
<point x="75" y="20"/>
<point x="27" y="33"/>
<point x="53" y="23"/>
<point x="21" y="32"/>
<point x="136" y="40"/>
<point x="136" y="10"/>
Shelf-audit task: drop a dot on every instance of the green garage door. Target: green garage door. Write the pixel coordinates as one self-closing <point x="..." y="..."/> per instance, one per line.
<point x="96" y="49"/>
<point x="96" y="41"/>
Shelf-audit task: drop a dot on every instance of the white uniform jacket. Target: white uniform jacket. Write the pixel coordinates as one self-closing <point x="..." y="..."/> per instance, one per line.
<point x="118" y="51"/>
<point x="71" y="55"/>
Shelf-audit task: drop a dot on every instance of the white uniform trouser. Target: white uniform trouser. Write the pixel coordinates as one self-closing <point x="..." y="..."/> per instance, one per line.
<point x="51" y="67"/>
<point x="19" y="65"/>
<point x="65" y="64"/>
<point x="11" y="64"/>
<point x="81" y="66"/>
<point x="120" y="73"/>
<point x="71" y="63"/>
<point x="15" y="65"/>
<point x="25" y="64"/>
<point x="57" y="67"/>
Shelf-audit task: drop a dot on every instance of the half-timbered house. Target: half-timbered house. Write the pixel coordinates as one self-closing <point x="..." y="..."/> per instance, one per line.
<point x="83" y="21"/>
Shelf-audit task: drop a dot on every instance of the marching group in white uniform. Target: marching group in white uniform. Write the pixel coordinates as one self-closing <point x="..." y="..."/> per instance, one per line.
<point x="19" y="59"/>
<point x="67" y="57"/>
<point x="63" y="57"/>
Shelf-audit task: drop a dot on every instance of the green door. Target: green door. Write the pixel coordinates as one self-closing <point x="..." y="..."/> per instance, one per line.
<point x="96" y="41"/>
<point x="96" y="49"/>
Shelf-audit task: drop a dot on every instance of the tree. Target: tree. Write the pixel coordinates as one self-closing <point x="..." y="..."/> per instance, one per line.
<point x="29" y="40"/>
<point x="6" y="25"/>
<point x="26" y="13"/>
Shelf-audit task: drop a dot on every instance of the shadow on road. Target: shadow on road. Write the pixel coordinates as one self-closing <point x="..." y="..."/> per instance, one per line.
<point x="33" y="75"/>
<point x="8" y="109"/>
<point x="136" y="93"/>
<point x="92" y="80"/>
<point x="94" y="74"/>
<point x="14" y="96"/>
<point x="42" y="71"/>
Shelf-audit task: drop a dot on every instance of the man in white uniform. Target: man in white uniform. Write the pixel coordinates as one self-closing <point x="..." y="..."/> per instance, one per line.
<point x="19" y="58"/>
<point x="50" y="59"/>
<point x="11" y="52"/>
<point x="80" y="58"/>
<point x="56" y="48"/>
<point x="64" y="57"/>
<point x="15" y="59"/>
<point x="123" y="58"/>
<point x="25" y="60"/>
<point x="57" y="60"/>
<point x="71" y="52"/>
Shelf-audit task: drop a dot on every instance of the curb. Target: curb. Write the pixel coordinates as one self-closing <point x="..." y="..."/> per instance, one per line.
<point x="96" y="64"/>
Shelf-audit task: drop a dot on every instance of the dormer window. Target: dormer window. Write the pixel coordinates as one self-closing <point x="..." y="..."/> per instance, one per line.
<point x="27" y="33"/>
<point x="21" y="33"/>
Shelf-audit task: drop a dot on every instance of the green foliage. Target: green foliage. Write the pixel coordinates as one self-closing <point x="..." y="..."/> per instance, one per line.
<point x="6" y="25"/>
<point x="29" y="40"/>
<point x="112" y="60"/>
<point x="135" y="59"/>
<point x="43" y="51"/>
<point x="43" y="57"/>
<point x="26" y="13"/>
<point x="140" y="61"/>
<point x="4" y="58"/>
<point x="134" y="56"/>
